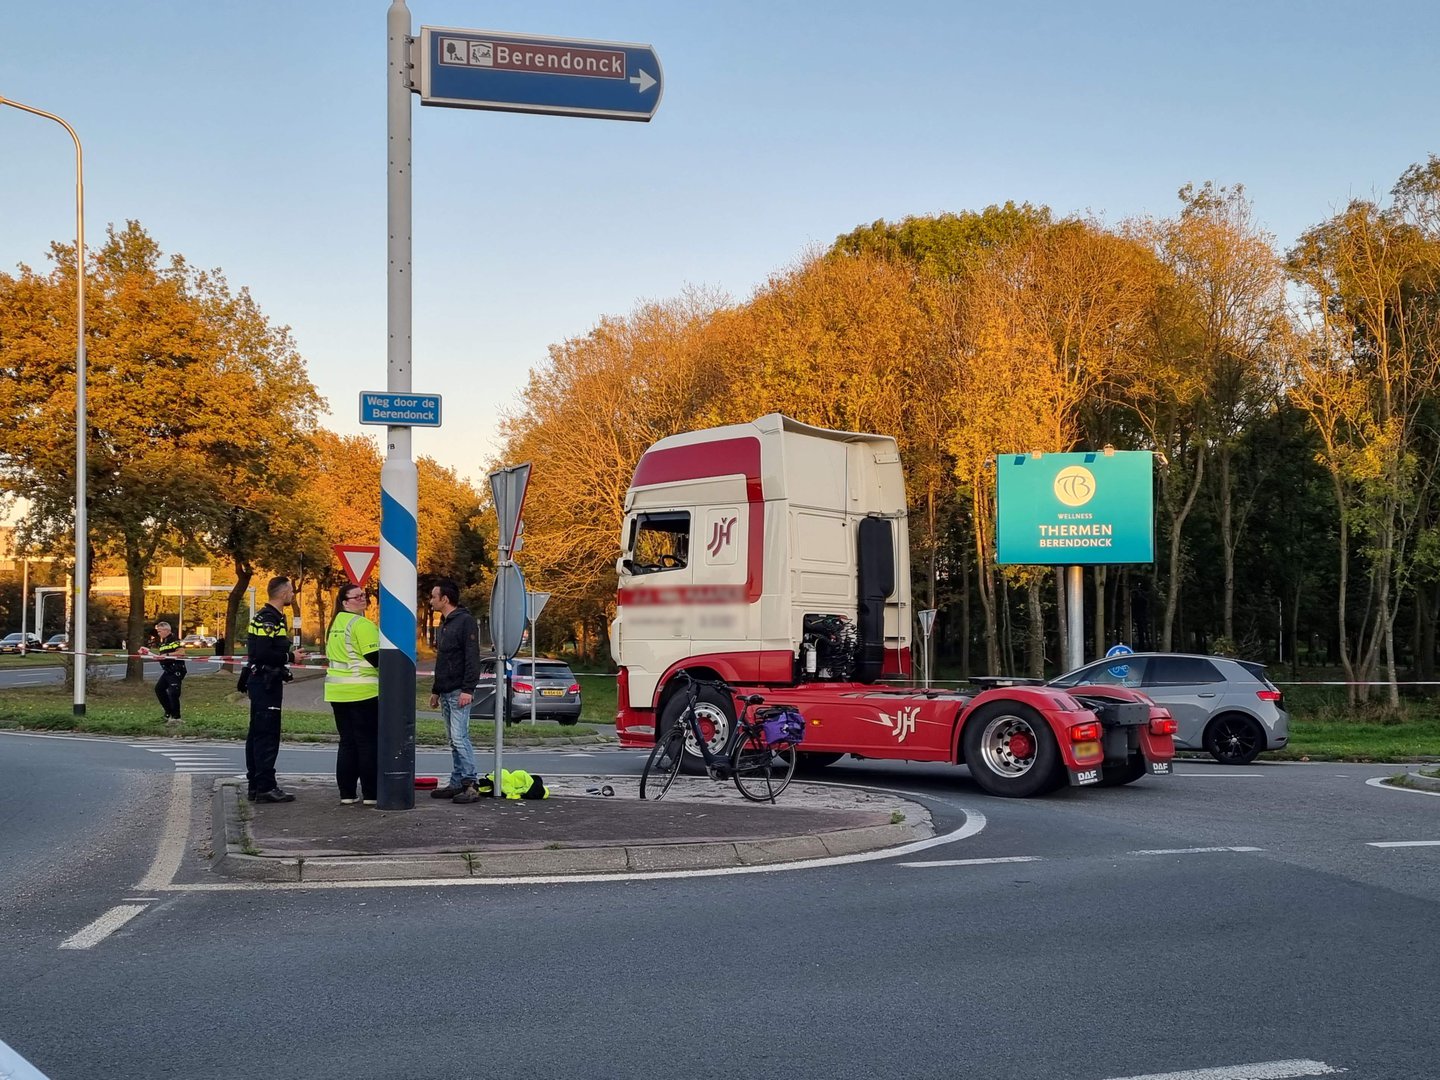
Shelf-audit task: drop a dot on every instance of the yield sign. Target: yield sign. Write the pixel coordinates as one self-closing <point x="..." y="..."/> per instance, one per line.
<point x="508" y="488"/>
<point x="359" y="560"/>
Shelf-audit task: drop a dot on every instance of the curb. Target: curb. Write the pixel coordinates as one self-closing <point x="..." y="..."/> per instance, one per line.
<point x="1413" y="779"/>
<point x="229" y="817"/>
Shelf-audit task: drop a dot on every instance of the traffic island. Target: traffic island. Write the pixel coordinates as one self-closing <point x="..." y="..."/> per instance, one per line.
<point x="699" y="825"/>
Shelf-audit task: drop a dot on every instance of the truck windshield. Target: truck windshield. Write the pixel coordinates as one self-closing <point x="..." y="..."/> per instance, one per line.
<point x="659" y="542"/>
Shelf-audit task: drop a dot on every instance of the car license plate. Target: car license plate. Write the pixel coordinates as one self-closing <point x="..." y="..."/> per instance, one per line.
<point x="552" y="693"/>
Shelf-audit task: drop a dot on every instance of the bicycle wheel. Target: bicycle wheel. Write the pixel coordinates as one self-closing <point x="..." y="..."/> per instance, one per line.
<point x="663" y="764"/>
<point x="761" y="772"/>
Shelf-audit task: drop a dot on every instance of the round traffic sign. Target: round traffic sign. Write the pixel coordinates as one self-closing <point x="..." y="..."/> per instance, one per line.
<point x="507" y="610"/>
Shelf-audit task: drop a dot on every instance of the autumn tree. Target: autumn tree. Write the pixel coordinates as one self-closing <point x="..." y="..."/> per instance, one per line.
<point x="1367" y="378"/>
<point x="179" y="386"/>
<point x="585" y="417"/>
<point x="1221" y="343"/>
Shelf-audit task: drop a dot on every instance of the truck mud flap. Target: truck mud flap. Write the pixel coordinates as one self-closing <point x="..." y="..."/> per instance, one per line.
<point x="1084" y="777"/>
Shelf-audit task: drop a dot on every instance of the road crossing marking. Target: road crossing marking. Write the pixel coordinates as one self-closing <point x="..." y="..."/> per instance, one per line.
<point x="187" y="760"/>
<point x="1260" y="1070"/>
<point x="1403" y="843"/>
<point x="103" y="927"/>
<point x="1193" y="851"/>
<point x="974" y="862"/>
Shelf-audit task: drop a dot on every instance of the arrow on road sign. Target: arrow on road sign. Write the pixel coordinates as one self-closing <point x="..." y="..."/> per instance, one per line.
<point x="643" y="80"/>
<point x="358" y="560"/>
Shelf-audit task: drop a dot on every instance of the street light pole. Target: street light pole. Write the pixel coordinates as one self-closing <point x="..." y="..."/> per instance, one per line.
<point x="82" y="535"/>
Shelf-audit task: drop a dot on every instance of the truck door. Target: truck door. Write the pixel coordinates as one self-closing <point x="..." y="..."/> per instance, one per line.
<point x="652" y="610"/>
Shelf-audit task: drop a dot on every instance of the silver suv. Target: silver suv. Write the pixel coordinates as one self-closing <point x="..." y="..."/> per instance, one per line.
<point x="1228" y="708"/>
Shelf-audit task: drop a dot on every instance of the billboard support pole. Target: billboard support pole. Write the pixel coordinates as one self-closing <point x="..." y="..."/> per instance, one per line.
<point x="1075" y="616"/>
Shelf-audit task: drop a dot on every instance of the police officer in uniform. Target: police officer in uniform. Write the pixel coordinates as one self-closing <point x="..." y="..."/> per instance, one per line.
<point x="267" y="673"/>
<point x="172" y="671"/>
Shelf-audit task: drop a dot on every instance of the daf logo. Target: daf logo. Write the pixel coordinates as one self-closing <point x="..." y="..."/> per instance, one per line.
<point x="1074" y="485"/>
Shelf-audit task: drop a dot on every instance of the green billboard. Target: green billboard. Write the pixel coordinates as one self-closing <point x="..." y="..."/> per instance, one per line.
<point x="1075" y="509"/>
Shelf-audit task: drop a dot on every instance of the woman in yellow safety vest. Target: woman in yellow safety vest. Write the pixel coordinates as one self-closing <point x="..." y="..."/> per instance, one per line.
<point x="352" y="687"/>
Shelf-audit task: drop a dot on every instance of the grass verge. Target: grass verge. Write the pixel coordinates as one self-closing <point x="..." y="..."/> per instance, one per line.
<point x="213" y="710"/>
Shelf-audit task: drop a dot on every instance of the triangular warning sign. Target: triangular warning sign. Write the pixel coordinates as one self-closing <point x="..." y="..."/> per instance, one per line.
<point x="358" y="560"/>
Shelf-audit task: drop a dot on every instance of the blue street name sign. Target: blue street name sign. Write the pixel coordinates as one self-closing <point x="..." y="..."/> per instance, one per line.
<point x="487" y="69"/>
<point x="399" y="410"/>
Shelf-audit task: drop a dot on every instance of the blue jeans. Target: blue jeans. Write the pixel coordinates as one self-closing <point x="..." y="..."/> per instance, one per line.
<point x="457" y="726"/>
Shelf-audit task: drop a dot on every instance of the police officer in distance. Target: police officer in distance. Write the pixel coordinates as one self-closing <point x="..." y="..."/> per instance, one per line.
<point x="172" y="671"/>
<point x="266" y="672"/>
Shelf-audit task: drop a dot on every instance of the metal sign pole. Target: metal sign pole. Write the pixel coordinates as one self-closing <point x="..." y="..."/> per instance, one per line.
<point x="502" y="683"/>
<point x="1075" y="616"/>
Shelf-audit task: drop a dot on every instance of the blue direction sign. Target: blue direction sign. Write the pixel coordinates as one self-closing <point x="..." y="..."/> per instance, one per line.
<point x="486" y="69"/>
<point x="399" y="410"/>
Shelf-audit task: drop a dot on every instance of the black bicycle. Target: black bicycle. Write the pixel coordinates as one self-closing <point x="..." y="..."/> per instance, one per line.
<point x="759" y="756"/>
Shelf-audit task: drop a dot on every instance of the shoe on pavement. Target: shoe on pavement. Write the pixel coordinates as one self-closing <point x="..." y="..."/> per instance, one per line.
<point x="467" y="794"/>
<point x="449" y="791"/>
<point x="274" y="795"/>
<point x="369" y="802"/>
<point x="349" y="800"/>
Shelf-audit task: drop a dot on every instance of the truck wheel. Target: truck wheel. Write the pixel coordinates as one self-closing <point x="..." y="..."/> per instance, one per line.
<point x="812" y="761"/>
<point x="1010" y="751"/>
<point x="716" y="714"/>
<point x="1233" y="739"/>
<point x="1125" y="772"/>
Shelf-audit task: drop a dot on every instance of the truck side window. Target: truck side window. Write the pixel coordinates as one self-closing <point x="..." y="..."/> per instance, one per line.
<point x="661" y="542"/>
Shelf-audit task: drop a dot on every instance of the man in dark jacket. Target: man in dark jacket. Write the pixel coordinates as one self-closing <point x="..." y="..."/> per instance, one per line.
<point x="269" y="654"/>
<point x="457" y="671"/>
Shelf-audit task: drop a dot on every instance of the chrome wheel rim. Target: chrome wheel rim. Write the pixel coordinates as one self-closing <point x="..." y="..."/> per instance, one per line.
<point x="710" y="718"/>
<point x="1008" y="746"/>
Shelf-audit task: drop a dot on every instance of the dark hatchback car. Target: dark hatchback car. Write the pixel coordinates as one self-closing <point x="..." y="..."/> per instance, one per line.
<point x="1228" y="708"/>
<point x="11" y="643"/>
<point x="549" y="683"/>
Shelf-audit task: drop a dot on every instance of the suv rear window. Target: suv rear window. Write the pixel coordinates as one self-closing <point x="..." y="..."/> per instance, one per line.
<point x="1181" y="671"/>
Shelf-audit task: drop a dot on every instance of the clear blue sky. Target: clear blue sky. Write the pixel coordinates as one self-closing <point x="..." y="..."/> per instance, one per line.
<point x="250" y="136"/>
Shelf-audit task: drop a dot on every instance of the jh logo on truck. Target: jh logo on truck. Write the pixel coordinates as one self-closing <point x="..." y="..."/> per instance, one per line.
<point x="720" y="535"/>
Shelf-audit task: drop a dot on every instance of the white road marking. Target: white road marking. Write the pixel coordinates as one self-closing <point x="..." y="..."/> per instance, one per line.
<point x="47" y="735"/>
<point x="139" y="899"/>
<point x="102" y="927"/>
<point x="1404" y="843"/>
<point x="1261" y="1070"/>
<point x="172" y="841"/>
<point x="1191" y="850"/>
<point x="1219" y="775"/>
<point x="15" y="1067"/>
<point x="974" y="823"/>
<point x="1379" y="782"/>
<point x="975" y="862"/>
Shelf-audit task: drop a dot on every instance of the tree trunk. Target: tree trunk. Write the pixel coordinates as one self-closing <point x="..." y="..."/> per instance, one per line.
<point x="1007" y="641"/>
<point x="1062" y="619"/>
<point x="1172" y="588"/>
<point x="1035" y="638"/>
<point x="235" y="641"/>
<point x="1227" y="543"/>
<point x="965" y="625"/>
<point x="135" y="621"/>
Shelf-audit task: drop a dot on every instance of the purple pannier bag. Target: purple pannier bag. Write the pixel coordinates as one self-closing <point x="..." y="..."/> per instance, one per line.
<point x="784" y="727"/>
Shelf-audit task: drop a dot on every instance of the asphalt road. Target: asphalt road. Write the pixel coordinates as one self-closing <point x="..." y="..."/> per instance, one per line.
<point x="1217" y="918"/>
<point x="48" y="676"/>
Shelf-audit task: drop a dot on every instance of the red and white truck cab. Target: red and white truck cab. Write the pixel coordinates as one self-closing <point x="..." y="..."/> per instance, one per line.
<point x="775" y="556"/>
